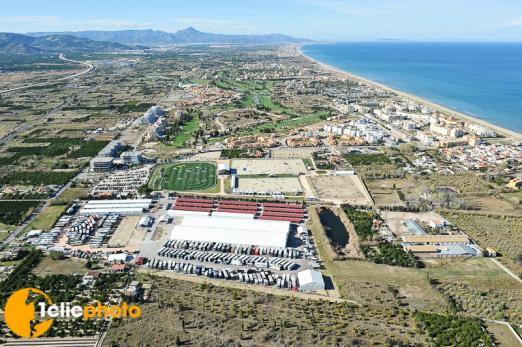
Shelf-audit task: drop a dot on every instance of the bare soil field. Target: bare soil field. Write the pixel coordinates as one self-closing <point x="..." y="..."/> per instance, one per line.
<point x="269" y="166"/>
<point x="127" y="233"/>
<point x="270" y="184"/>
<point x="341" y="189"/>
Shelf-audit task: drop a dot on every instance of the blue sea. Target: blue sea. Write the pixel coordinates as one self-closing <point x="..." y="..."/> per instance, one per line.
<point x="480" y="79"/>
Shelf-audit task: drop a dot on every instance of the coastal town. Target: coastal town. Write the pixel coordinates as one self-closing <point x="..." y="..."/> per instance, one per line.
<point x="261" y="179"/>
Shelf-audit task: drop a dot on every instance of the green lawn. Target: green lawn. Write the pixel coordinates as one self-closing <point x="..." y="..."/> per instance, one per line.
<point x="46" y="219"/>
<point x="183" y="177"/>
<point x="290" y="123"/>
<point x="188" y="131"/>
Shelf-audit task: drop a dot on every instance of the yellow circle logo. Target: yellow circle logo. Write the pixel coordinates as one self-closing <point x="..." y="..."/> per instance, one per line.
<point x="20" y="313"/>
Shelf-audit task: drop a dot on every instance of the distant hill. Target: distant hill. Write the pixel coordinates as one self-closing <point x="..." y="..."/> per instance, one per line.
<point x="161" y="38"/>
<point x="11" y="43"/>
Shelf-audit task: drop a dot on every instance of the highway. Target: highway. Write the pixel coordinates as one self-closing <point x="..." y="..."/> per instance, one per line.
<point x="62" y="57"/>
<point x="27" y="125"/>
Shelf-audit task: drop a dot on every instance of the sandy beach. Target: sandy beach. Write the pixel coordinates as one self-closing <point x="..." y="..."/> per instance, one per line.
<point x="509" y="134"/>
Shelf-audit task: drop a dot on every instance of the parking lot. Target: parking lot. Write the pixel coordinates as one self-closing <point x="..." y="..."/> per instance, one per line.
<point x="277" y="267"/>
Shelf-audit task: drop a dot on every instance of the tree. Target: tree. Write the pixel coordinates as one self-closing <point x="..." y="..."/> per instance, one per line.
<point x="56" y="255"/>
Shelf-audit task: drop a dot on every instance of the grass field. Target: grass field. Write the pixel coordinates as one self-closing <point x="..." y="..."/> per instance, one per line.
<point x="46" y="219"/>
<point x="72" y="194"/>
<point x="184" y="177"/>
<point x="48" y="266"/>
<point x="188" y="130"/>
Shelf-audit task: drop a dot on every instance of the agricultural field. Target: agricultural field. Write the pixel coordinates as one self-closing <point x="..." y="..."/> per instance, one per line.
<point x="357" y="159"/>
<point x="35" y="178"/>
<point x="55" y="147"/>
<point x="184" y="177"/>
<point x="13" y="212"/>
<point x="501" y="233"/>
<point x="373" y="165"/>
<point x="183" y="312"/>
<point x="478" y="287"/>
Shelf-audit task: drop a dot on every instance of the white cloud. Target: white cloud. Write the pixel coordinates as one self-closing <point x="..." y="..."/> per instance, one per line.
<point x="56" y="23"/>
<point x="515" y="23"/>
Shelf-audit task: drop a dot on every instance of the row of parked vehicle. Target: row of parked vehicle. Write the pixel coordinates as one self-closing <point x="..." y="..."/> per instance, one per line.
<point x="261" y="262"/>
<point x="288" y="252"/>
<point x="310" y="253"/>
<point x="253" y="276"/>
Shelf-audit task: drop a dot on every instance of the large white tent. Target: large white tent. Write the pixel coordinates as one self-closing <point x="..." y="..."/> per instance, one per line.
<point x="310" y="281"/>
<point x="240" y="231"/>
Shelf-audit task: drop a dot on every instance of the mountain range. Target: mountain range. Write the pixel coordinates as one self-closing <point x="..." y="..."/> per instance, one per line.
<point x="186" y="36"/>
<point x="11" y="43"/>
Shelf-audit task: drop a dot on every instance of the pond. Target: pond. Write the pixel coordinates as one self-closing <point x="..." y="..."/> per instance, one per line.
<point x="335" y="229"/>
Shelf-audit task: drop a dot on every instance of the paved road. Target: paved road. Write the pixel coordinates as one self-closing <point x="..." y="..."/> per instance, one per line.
<point x="62" y="57"/>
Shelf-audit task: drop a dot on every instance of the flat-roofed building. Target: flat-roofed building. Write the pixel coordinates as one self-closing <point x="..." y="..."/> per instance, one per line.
<point x="233" y="230"/>
<point x="436" y="239"/>
<point x="123" y="207"/>
<point x="101" y="163"/>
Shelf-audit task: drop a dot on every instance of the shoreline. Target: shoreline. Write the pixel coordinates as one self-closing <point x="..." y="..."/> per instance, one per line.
<point x="508" y="134"/>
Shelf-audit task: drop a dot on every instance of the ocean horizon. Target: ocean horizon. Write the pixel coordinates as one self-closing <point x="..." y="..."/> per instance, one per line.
<point x="483" y="80"/>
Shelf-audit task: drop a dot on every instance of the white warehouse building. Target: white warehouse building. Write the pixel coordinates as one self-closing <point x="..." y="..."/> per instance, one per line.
<point x="234" y="230"/>
<point x="123" y="207"/>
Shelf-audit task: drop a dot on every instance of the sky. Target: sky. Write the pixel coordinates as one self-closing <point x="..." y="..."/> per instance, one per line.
<point x="327" y="20"/>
